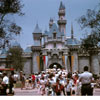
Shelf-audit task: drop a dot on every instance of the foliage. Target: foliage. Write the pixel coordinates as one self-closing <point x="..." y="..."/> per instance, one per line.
<point x="91" y="21"/>
<point x="15" y="59"/>
<point x="8" y="29"/>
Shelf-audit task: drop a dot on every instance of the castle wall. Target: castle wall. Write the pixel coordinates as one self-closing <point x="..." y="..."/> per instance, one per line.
<point x="83" y="61"/>
<point x="95" y="67"/>
<point x="59" y="45"/>
<point x="49" y="46"/>
<point x="27" y="66"/>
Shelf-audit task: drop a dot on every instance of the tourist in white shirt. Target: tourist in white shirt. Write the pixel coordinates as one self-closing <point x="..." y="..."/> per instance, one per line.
<point x="78" y="87"/>
<point x="86" y="79"/>
<point x="5" y="83"/>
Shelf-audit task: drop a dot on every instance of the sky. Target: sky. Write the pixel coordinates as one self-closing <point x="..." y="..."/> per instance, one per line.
<point x="40" y="11"/>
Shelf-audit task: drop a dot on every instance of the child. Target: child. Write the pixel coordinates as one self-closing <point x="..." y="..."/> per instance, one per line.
<point x="27" y="83"/>
<point x="73" y="90"/>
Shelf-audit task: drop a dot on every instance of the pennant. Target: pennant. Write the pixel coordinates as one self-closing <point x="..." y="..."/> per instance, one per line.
<point x="44" y="59"/>
<point x="63" y="58"/>
<point x="38" y="61"/>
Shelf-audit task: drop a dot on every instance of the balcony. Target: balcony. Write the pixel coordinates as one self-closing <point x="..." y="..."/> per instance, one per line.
<point x="61" y="21"/>
<point x="61" y="12"/>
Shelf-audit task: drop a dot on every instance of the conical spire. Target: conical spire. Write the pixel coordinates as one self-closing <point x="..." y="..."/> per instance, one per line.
<point x="37" y="29"/>
<point x="72" y="31"/>
<point x="50" y="23"/>
<point x="61" y="6"/>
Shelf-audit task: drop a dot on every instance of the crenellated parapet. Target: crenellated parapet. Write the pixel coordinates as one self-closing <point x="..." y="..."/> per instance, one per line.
<point x="27" y="55"/>
<point x="36" y="48"/>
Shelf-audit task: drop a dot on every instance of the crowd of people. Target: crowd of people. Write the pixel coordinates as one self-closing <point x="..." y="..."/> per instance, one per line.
<point x="52" y="82"/>
<point x="7" y="83"/>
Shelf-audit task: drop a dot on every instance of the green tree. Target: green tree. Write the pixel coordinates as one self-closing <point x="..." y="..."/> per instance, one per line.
<point x="15" y="58"/>
<point x="91" y="21"/>
<point x="9" y="29"/>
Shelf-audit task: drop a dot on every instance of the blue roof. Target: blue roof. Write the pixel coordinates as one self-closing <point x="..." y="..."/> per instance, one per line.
<point x="3" y="56"/>
<point x="28" y="50"/>
<point x="37" y="29"/>
<point x="72" y="41"/>
<point x="53" y="29"/>
<point x="45" y="32"/>
<point x="4" y="51"/>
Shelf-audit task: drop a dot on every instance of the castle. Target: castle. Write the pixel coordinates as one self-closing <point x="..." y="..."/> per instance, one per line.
<point x="53" y="49"/>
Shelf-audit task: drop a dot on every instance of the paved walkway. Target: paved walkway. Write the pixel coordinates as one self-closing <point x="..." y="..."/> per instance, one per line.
<point x="28" y="92"/>
<point x="35" y="92"/>
<point x="96" y="92"/>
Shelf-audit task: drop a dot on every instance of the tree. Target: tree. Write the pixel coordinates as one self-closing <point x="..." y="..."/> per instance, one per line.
<point x="9" y="29"/>
<point x="15" y="59"/>
<point x="91" y="21"/>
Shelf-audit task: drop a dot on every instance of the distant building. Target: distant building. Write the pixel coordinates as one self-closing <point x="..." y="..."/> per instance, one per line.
<point x="53" y="49"/>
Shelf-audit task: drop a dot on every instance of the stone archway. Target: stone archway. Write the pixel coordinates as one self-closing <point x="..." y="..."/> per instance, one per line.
<point x="55" y="65"/>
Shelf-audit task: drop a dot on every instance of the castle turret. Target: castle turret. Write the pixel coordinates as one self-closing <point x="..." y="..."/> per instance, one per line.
<point x="37" y="36"/>
<point x="50" y="23"/>
<point x="72" y="36"/>
<point x="62" y="20"/>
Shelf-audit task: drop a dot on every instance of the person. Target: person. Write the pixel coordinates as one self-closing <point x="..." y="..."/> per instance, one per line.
<point x="62" y="83"/>
<point x="15" y="79"/>
<point x="58" y="88"/>
<point x="22" y="79"/>
<point x="30" y="82"/>
<point x="5" y="83"/>
<point x="33" y="80"/>
<point x="68" y="87"/>
<point x="27" y="83"/>
<point x="73" y="90"/>
<point x="49" y="88"/>
<point x="11" y="83"/>
<point x="42" y="88"/>
<point x="78" y="87"/>
<point x="1" y="86"/>
<point x="86" y="79"/>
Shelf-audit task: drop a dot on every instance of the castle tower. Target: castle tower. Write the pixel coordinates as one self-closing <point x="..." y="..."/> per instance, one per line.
<point x="62" y="20"/>
<point x="37" y="36"/>
<point x="36" y="50"/>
